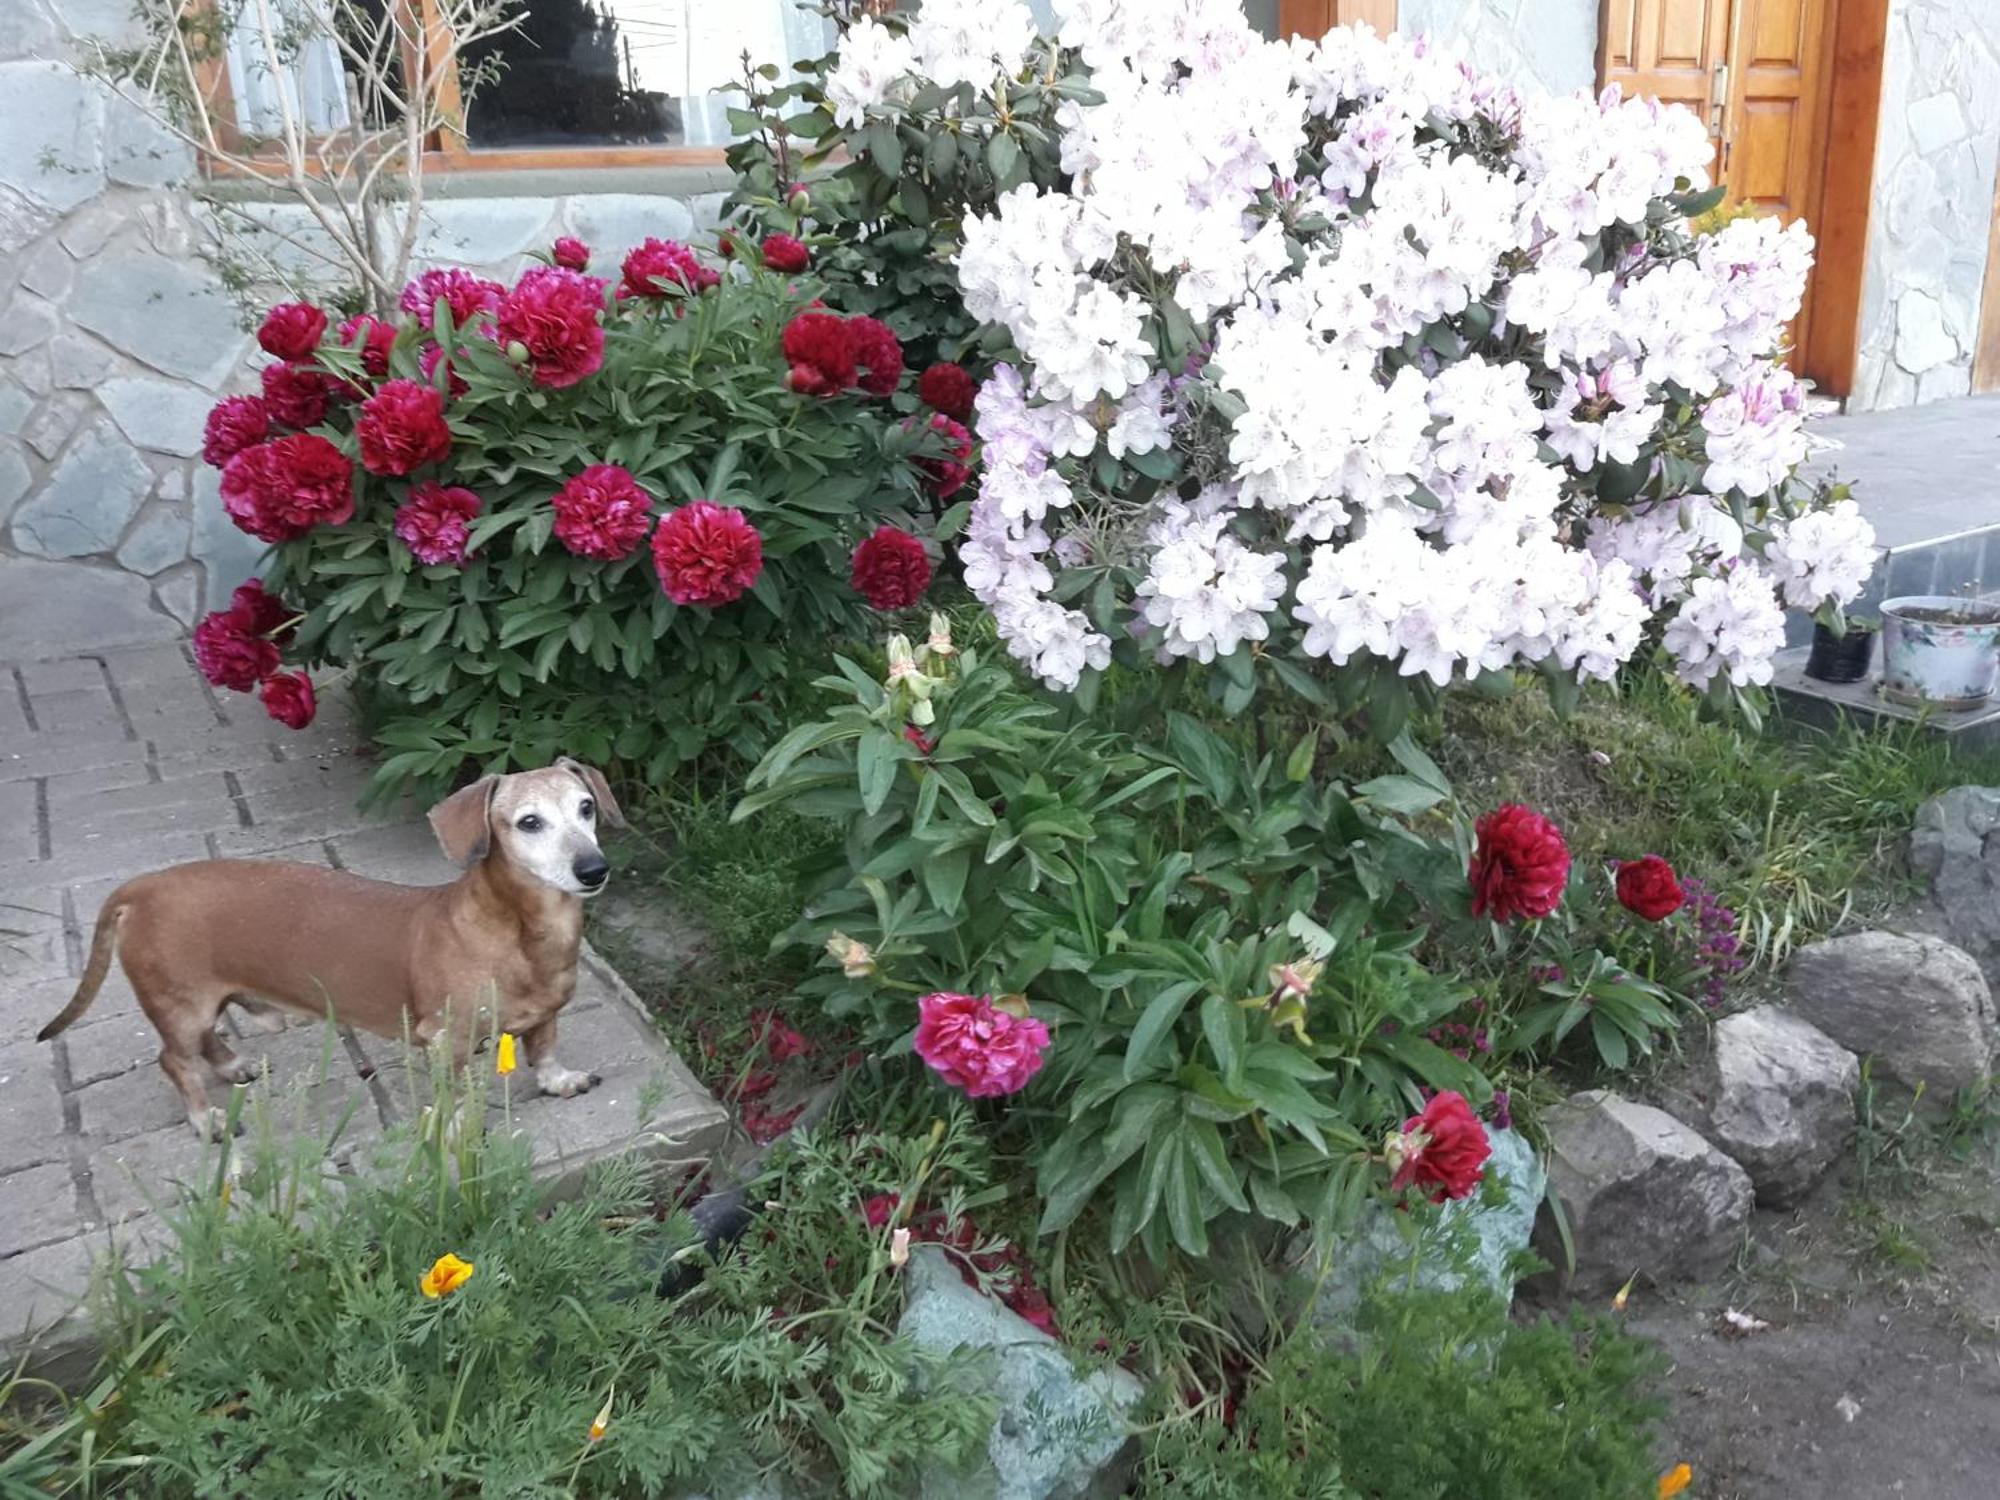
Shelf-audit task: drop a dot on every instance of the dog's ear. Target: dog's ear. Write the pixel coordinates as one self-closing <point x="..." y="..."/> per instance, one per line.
<point x="593" y="778"/>
<point x="463" y="822"/>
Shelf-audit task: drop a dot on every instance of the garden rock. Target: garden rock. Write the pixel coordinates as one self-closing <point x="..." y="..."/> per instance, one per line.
<point x="1952" y="846"/>
<point x="1919" y="1006"/>
<point x="1642" y="1193"/>
<point x="1482" y="1234"/>
<point x="1775" y="1093"/>
<point x="1060" y="1435"/>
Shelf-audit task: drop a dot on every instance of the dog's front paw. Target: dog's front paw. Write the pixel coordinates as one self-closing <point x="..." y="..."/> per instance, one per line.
<point x="212" y="1125"/>
<point x="565" y="1083"/>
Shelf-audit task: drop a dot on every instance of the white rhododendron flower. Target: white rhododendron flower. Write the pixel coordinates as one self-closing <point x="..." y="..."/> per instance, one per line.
<point x="1340" y="350"/>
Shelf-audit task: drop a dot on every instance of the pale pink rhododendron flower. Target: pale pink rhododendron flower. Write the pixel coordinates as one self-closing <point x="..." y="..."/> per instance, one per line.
<point x="974" y="1046"/>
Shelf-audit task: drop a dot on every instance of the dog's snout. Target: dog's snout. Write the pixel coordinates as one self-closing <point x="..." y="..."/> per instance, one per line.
<point x="591" y="870"/>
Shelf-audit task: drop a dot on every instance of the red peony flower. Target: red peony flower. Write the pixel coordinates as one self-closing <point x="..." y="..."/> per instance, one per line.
<point x="571" y="253"/>
<point x="1031" y="1304"/>
<point x="891" y="569"/>
<point x="706" y="554"/>
<point x="947" y="476"/>
<point x="602" y="513"/>
<point x="973" y="1046"/>
<point x="428" y="362"/>
<point x="1649" y="888"/>
<point x="1519" y="866"/>
<point x="1442" y="1151"/>
<point x="291" y="330"/>
<point x="555" y="316"/>
<point x="233" y="425"/>
<point x="880" y="1209"/>
<point x="230" y="654"/>
<point x="947" y="388"/>
<point x="262" y="613"/>
<point x="650" y="268"/>
<point x="460" y="291"/>
<point x="288" y="698"/>
<point x="878" y="352"/>
<point x="402" y="428"/>
<point x="295" y="395"/>
<point x="725" y="245"/>
<point x="281" y="489"/>
<point x="784" y="253"/>
<point x="375" y="338"/>
<point x="820" y="350"/>
<point x="434" y="522"/>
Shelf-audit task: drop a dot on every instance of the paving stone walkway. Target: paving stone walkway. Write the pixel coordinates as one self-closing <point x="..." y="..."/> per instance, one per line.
<point x="120" y="761"/>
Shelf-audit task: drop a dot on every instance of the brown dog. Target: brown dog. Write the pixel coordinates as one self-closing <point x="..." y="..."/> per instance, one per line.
<point x="493" y="951"/>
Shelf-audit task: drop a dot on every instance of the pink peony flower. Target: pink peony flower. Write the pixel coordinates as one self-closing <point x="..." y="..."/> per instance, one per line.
<point x="650" y="268"/>
<point x="878" y="352"/>
<point x="820" y="351"/>
<point x="602" y="513"/>
<point x="295" y="395"/>
<point x="979" y="1049"/>
<point x="375" y="338"/>
<point x="288" y="698"/>
<point x="706" y="554"/>
<point x="891" y="569"/>
<point x="281" y="489"/>
<point x="555" y="316"/>
<point x="230" y="654"/>
<point x="947" y="388"/>
<point x="401" y="428"/>
<point x="262" y="613"/>
<point x="784" y="253"/>
<point x="234" y="424"/>
<point x="461" y="292"/>
<point x="945" y="477"/>
<point x="571" y="253"/>
<point x="291" y="330"/>
<point x="430" y="359"/>
<point x="434" y="522"/>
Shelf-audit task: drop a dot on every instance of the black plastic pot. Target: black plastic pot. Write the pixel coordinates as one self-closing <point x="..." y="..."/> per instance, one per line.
<point x="1840" y="658"/>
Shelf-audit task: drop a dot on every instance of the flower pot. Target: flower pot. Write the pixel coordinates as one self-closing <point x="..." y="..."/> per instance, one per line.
<point x="1840" y="658"/>
<point x="1940" y="651"/>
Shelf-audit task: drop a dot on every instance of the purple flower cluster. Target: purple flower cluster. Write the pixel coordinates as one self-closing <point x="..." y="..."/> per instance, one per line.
<point x="1503" y="1110"/>
<point x="1715" y="942"/>
<point x="1460" y="1039"/>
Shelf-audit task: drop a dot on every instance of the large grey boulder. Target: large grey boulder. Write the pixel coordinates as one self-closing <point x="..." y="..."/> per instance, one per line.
<point x="1918" y="1005"/>
<point x="1776" y="1094"/>
<point x="1059" y="1435"/>
<point x="1643" y="1194"/>
<point x="1953" y="847"/>
<point x="1481" y="1235"/>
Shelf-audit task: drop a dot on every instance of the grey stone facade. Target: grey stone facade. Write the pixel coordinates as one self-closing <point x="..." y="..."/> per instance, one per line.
<point x="1551" y="43"/>
<point x="1936" y="156"/>
<point x="117" y="334"/>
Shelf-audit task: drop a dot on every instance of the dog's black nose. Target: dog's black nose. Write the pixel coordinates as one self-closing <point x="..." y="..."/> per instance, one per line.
<point x="590" y="870"/>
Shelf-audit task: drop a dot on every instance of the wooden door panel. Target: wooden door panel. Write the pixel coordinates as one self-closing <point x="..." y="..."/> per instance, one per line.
<point x="1667" y="50"/>
<point x="1778" y="106"/>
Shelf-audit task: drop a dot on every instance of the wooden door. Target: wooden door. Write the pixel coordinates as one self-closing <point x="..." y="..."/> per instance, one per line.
<point x="1314" y="18"/>
<point x="1675" y="50"/>
<point x="1776" y="112"/>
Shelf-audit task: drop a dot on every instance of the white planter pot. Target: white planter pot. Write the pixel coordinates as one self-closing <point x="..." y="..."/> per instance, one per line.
<point x="1939" y="651"/>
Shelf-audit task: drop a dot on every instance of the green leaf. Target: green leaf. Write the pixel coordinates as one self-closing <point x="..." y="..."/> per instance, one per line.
<point x="1222" y="1025"/>
<point x="944" y="878"/>
<point x="1211" y="1160"/>
<point x="1003" y="155"/>
<point x="1155" y="1024"/>
<point x="876" y="769"/>
<point x="1399" y="794"/>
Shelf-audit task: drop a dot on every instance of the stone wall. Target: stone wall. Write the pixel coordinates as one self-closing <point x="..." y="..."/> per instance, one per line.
<point x="1552" y="43"/>
<point x="1936" y="156"/>
<point x="116" y="335"/>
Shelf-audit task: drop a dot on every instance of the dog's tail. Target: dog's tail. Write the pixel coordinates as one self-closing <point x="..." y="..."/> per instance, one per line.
<point x="103" y="944"/>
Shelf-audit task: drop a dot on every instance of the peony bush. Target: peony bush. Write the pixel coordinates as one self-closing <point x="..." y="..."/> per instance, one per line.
<point x="587" y="513"/>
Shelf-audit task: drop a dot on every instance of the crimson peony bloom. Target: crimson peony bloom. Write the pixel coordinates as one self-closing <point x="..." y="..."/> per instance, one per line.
<point x="878" y="351"/>
<point x="706" y="554"/>
<point x="571" y="253"/>
<point x="947" y="476"/>
<point x="654" y="264"/>
<point x="402" y="428"/>
<point x="979" y="1049"/>
<point x="891" y="569"/>
<point x="288" y="698"/>
<point x="375" y="338"/>
<point x="460" y="291"/>
<point x="784" y="253"/>
<point x="1519" y="866"/>
<point x="602" y="513"/>
<point x="428" y="362"/>
<point x="281" y="489"/>
<point x="820" y="350"/>
<point x="295" y="395"/>
<point x="1442" y="1151"/>
<point x="233" y="425"/>
<point x="947" y="388"/>
<point x="555" y="316"/>
<point x="1649" y="888"/>
<point x="230" y="653"/>
<point x="262" y="613"/>
<point x="291" y="330"/>
<point x="435" y="521"/>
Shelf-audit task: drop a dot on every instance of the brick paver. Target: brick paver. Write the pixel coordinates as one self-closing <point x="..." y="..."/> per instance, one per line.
<point x="116" y="762"/>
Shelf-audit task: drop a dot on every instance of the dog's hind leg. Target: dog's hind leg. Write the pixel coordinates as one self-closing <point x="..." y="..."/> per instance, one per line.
<point x="186" y="1024"/>
<point x="256" y="1016"/>
<point x="219" y="1055"/>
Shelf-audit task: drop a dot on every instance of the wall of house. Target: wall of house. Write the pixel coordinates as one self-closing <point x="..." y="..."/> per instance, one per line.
<point x="117" y="335"/>
<point x="1552" y="43"/>
<point x="1936" y="157"/>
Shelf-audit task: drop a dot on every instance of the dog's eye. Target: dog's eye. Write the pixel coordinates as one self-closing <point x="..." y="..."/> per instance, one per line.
<point x="586" y="808"/>
<point x="530" y="824"/>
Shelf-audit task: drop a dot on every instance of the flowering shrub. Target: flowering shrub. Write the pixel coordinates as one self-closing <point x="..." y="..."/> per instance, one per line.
<point x="567" y="516"/>
<point x="1342" y="354"/>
